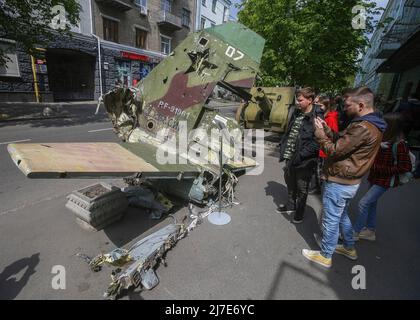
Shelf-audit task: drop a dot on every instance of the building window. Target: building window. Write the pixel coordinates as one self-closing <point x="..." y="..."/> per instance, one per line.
<point x="11" y="68"/>
<point x="165" y="45"/>
<point x="203" y="2"/>
<point x="203" y="22"/>
<point x="166" y="5"/>
<point x="142" y="4"/>
<point x="213" y="6"/>
<point x="225" y="13"/>
<point x="186" y="14"/>
<point x="110" y="30"/>
<point x="141" y="37"/>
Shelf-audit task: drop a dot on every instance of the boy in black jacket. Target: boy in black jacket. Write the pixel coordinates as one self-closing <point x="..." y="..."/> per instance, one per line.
<point x="300" y="151"/>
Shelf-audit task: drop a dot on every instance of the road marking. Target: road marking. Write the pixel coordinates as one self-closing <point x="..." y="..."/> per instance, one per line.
<point x="100" y="130"/>
<point x="15" y="141"/>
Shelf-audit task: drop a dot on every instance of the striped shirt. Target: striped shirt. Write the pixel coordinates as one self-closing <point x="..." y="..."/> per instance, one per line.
<point x="293" y="136"/>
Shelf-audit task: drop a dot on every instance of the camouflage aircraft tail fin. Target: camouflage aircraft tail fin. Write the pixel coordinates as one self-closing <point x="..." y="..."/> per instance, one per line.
<point x="241" y="38"/>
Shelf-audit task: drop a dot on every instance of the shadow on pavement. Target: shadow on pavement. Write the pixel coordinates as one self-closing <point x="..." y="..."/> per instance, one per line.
<point x="310" y="224"/>
<point x="283" y="267"/>
<point x="136" y="223"/>
<point x="390" y="263"/>
<point x="277" y="191"/>
<point x="10" y="284"/>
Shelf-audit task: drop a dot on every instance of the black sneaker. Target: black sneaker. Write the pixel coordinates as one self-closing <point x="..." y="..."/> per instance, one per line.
<point x="284" y="210"/>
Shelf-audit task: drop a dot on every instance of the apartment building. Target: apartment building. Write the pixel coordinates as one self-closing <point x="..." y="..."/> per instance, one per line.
<point x="136" y="35"/>
<point x="116" y="42"/>
<point x="391" y="64"/>
<point x="212" y="12"/>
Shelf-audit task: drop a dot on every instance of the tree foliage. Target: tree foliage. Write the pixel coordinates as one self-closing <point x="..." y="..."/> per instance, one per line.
<point x="28" y="22"/>
<point x="309" y="42"/>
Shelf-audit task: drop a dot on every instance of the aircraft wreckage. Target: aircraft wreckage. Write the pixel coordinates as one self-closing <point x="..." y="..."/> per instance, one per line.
<point x="170" y="102"/>
<point x="165" y="123"/>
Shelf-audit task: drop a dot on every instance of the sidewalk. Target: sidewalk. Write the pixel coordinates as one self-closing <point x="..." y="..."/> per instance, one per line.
<point x="19" y="111"/>
<point x="15" y="111"/>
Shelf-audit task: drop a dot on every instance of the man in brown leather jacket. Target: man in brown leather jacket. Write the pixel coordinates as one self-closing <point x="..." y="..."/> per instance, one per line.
<point x="350" y="154"/>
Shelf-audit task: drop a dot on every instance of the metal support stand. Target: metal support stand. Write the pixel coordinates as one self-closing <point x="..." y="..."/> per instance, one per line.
<point x="220" y="218"/>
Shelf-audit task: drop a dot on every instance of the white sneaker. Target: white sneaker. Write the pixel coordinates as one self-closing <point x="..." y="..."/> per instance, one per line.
<point x="317" y="257"/>
<point x="367" y="234"/>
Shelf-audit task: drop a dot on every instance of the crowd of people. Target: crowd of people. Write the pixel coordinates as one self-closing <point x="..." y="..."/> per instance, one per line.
<point x="340" y="141"/>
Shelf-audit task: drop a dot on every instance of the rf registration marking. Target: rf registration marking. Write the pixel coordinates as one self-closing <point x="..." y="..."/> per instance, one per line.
<point x="215" y="310"/>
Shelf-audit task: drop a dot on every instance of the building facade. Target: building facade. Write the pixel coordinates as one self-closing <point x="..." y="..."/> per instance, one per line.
<point x="136" y="35"/>
<point x="391" y="64"/>
<point x="66" y="69"/>
<point x="212" y="12"/>
<point x="116" y="42"/>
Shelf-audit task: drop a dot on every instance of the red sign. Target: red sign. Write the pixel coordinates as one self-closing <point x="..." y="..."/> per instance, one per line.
<point x="134" y="56"/>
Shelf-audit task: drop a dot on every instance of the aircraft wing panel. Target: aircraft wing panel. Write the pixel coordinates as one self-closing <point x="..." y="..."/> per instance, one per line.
<point x="77" y="160"/>
<point x="95" y="160"/>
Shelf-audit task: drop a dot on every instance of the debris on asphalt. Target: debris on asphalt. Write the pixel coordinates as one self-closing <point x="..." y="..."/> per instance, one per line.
<point x="137" y="264"/>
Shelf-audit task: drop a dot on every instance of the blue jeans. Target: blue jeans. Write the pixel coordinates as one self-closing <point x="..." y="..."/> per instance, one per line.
<point x="367" y="208"/>
<point x="336" y="200"/>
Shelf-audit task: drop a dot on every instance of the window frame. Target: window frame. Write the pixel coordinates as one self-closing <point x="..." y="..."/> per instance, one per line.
<point x="213" y="6"/>
<point x="163" y="6"/>
<point x="162" y="36"/>
<point x="106" y="22"/>
<point x="10" y="50"/>
<point x="187" y="15"/>
<point x="136" y="30"/>
<point x="224" y="14"/>
<point x="138" y="3"/>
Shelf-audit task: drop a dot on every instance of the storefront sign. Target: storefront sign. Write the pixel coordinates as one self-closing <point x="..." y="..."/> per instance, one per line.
<point x="134" y="56"/>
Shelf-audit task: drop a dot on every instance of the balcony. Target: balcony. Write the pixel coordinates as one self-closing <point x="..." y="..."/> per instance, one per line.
<point x="116" y="4"/>
<point x="169" y="21"/>
<point x="386" y="50"/>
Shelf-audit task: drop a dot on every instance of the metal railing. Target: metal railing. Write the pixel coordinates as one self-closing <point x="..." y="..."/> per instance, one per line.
<point x="165" y="16"/>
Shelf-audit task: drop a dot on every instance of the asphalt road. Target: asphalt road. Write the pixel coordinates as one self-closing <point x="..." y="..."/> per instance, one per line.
<point x="256" y="256"/>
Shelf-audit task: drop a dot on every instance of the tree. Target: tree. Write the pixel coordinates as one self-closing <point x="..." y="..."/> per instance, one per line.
<point x="33" y="23"/>
<point x="309" y="42"/>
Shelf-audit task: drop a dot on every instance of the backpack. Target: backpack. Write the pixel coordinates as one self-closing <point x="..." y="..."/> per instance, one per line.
<point x="406" y="177"/>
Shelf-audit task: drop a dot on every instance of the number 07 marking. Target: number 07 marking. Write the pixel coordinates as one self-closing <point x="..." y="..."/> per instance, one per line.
<point x="231" y="52"/>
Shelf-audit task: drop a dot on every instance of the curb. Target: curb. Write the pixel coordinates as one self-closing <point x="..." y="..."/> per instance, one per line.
<point x="28" y="118"/>
<point x="48" y="104"/>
